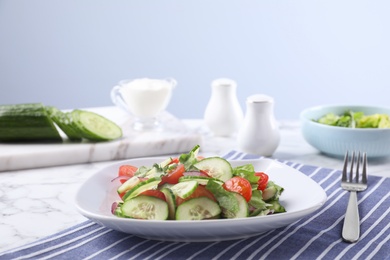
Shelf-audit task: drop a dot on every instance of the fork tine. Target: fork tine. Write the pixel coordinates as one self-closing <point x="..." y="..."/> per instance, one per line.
<point x="344" y="177"/>
<point x="357" y="167"/>
<point x="352" y="165"/>
<point x="364" y="177"/>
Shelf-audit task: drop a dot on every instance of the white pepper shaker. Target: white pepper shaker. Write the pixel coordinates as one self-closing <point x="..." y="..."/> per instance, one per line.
<point x="260" y="133"/>
<point x="223" y="114"/>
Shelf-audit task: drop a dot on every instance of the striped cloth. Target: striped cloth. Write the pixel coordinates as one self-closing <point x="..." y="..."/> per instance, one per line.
<point x="317" y="236"/>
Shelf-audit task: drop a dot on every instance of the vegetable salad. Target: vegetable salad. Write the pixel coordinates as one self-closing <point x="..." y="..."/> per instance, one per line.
<point x="353" y="119"/>
<point x="191" y="187"/>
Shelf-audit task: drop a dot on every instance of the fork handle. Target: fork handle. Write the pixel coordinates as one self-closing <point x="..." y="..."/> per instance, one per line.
<point x="351" y="228"/>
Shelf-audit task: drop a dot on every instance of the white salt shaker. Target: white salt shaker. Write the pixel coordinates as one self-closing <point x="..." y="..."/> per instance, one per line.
<point x="260" y="133"/>
<point x="223" y="114"/>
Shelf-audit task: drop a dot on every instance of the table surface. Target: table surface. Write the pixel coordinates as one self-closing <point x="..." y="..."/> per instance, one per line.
<point x="35" y="203"/>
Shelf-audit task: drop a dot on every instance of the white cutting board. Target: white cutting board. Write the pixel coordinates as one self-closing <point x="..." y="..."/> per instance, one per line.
<point x="174" y="139"/>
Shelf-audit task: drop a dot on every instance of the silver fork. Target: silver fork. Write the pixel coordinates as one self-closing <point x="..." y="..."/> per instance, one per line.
<point x="352" y="183"/>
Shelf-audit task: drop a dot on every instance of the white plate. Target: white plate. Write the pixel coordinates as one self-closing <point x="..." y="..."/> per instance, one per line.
<point x="301" y="197"/>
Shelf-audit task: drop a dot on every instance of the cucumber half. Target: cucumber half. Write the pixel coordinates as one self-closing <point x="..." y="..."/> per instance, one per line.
<point x="184" y="189"/>
<point x="27" y="123"/>
<point x="171" y="200"/>
<point x="142" y="186"/>
<point x="145" y="207"/>
<point x="197" y="209"/>
<point x="243" y="208"/>
<point x="272" y="192"/>
<point x="129" y="184"/>
<point x="216" y="167"/>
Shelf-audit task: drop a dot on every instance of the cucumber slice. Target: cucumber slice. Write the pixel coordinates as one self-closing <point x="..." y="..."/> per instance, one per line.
<point x="155" y="172"/>
<point x="27" y="123"/>
<point x="149" y="184"/>
<point x="64" y="123"/>
<point x="200" y="179"/>
<point x="184" y="189"/>
<point x="260" y="212"/>
<point x="216" y="167"/>
<point x="145" y="207"/>
<point x="276" y="206"/>
<point x="94" y="127"/>
<point x="171" y="200"/>
<point x="272" y="192"/>
<point x="197" y="209"/>
<point x="269" y="193"/>
<point x="166" y="185"/>
<point x="243" y="208"/>
<point x="129" y="184"/>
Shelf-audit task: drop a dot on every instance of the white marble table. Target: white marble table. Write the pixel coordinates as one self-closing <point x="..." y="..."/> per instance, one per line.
<point x="39" y="202"/>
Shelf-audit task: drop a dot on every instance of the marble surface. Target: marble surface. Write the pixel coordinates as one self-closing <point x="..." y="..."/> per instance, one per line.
<point x="35" y="203"/>
<point x="174" y="138"/>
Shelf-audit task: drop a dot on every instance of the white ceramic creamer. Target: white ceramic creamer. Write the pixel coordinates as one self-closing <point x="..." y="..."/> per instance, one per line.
<point x="223" y="114"/>
<point x="260" y="132"/>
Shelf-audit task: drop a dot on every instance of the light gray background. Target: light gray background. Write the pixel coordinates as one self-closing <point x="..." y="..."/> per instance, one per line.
<point x="303" y="53"/>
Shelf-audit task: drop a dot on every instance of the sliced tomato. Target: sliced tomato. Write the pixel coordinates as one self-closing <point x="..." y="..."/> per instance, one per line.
<point x="175" y="160"/>
<point x="200" y="191"/>
<point x="263" y="181"/>
<point x="154" y="193"/>
<point x="173" y="176"/>
<point x="127" y="170"/>
<point x="239" y="185"/>
<point x="123" y="180"/>
<point x="122" y="194"/>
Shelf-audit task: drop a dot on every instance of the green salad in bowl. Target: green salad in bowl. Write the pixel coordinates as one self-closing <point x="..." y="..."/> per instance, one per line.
<point x="353" y="119"/>
<point x="335" y="129"/>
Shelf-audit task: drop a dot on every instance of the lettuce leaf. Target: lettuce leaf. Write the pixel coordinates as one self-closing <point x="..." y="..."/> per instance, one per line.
<point x="246" y="171"/>
<point x="226" y="199"/>
<point x="353" y="119"/>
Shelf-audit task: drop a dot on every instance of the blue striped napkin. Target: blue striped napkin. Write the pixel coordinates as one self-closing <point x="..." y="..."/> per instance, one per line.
<point x="317" y="236"/>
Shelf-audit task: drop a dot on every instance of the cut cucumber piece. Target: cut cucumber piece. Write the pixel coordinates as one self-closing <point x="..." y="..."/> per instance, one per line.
<point x="27" y="123"/>
<point x="94" y="127"/>
<point x="145" y="207"/>
<point x="260" y="212"/>
<point x="63" y="121"/>
<point x="129" y="184"/>
<point x="155" y="172"/>
<point x="166" y="186"/>
<point x="200" y="179"/>
<point x="150" y="184"/>
<point x="197" y="209"/>
<point x="276" y="206"/>
<point x="184" y="189"/>
<point x="216" y="167"/>
<point x="272" y="192"/>
<point x="171" y="200"/>
<point x="269" y="193"/>
<point x="243" y="208"/>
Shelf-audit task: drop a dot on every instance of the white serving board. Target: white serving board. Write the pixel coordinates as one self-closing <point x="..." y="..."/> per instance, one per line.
<point x="174" y="139"/>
